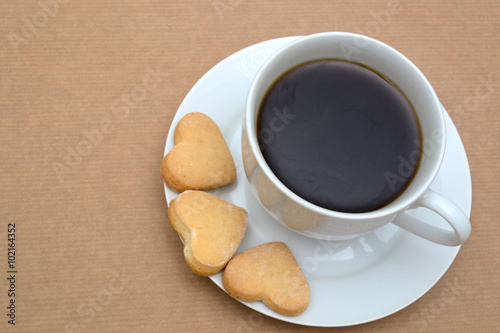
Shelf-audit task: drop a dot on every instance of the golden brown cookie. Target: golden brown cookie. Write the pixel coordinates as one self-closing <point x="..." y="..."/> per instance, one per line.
<point x="268" y="272"/>
<point x="210" y="227"/>
<point x="200" y="159"/>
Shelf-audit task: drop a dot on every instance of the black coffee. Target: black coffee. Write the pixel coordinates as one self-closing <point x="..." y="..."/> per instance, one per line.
<point x="339" y="135"/>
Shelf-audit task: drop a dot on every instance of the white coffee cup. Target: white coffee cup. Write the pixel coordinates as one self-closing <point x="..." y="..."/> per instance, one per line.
<point x="311" y="220"/>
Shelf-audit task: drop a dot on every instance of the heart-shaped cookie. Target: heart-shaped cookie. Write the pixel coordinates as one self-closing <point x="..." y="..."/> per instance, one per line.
<point x="200" y="159"/>
<point x="210" y="227"/>
<point x="268" y="272"/>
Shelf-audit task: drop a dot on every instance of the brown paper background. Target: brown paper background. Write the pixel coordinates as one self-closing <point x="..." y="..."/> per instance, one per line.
<point x="106" y="216"/>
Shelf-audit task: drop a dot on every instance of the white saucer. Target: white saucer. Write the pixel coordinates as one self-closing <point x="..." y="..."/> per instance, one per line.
<point x="352" y="282"/>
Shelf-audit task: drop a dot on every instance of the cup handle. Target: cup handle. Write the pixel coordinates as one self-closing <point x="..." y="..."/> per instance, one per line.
<point x="448" y="210"/>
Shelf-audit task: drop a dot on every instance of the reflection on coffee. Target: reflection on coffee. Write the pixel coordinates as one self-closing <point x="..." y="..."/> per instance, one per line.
<point x="339" y="135"/>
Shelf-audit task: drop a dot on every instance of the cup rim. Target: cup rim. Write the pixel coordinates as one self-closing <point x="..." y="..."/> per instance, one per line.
<point x="250" y="125"/>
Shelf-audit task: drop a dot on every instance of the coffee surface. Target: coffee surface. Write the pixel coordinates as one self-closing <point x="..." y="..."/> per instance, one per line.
<point x="339" y="135"/>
